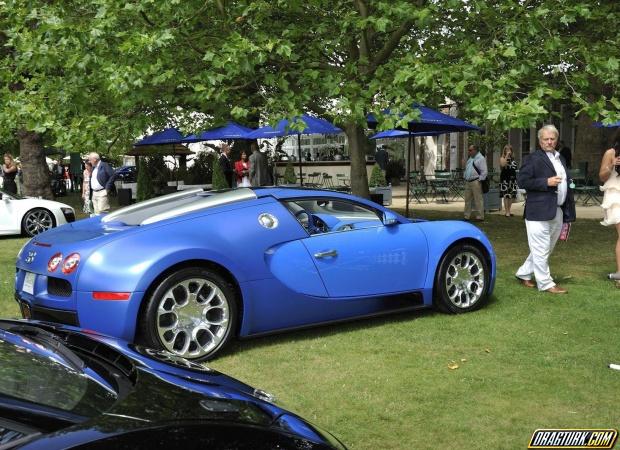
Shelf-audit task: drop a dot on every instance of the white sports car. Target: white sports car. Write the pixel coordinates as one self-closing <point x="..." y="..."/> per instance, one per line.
<point x="31" y="216"/>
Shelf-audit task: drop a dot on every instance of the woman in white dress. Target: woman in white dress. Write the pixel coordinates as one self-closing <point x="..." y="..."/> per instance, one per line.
<point x="88" y="170"/>
<point x="609" y="174"/>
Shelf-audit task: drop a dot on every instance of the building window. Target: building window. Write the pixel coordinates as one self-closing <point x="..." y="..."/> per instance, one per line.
<point x="526" y="140"/>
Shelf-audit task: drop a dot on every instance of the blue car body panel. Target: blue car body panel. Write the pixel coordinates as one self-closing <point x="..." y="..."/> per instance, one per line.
<point x="283" y="279"/>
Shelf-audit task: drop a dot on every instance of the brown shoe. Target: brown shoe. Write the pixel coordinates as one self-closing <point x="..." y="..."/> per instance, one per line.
<point x="526" y="283"/>
<point x="556" y="290"/>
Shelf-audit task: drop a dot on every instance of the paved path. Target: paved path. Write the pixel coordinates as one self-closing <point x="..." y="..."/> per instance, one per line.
<point x="398" y="201"/>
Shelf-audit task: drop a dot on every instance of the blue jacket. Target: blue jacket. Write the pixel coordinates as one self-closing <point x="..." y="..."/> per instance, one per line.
<point x="542" y="200"/>
<point x="105" y="175"/>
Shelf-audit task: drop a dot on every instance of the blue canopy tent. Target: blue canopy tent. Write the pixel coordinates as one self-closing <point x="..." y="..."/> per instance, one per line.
<point x="313" y="125"/>
<point x="167" y="136"/>
<point x="429" y="123"/>
<point x="231" y="130"/>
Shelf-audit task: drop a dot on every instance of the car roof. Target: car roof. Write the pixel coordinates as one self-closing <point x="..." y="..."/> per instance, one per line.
<point x="194" y="200"/>
<point x="282" y="193"/>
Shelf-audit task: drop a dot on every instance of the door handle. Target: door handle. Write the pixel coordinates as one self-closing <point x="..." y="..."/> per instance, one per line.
<point x="326" y="254"/>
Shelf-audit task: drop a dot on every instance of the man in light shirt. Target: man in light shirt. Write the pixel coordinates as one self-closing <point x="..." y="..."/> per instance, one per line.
<point x="549" y="204"/>
<point x="101" y="181"/>
<point x="475" y="172"/>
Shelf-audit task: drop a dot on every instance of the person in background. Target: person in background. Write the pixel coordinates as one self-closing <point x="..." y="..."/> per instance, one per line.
<point x="20" y="179"/>
<point x="9" y="173"/>
<point x="86" y="193"/>
<point x="259" y="169"/>
<point x="101" y="182"/>
<point x="609" y="173"/>
<point x="508" y="179"/>
<point x="58" y="185"/>
<point x="382" y="158"/>
<point x="242" y="170"/>
<point x="66" y="175"/>
<point x="566" y="154"/>
<point x="226" y="164"/>
<point x="475" y="172"/>
<point x="549" y="204"/>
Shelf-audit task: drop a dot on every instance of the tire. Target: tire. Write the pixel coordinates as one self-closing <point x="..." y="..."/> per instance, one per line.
<point x="192" y="313"/>
<point x="37" y="221"/>
<point x="462" y="280"/>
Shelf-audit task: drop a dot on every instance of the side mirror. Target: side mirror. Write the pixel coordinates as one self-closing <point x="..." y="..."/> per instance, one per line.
<point x="389" y="219"/>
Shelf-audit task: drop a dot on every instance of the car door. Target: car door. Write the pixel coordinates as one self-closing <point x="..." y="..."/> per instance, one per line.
<point x="361" y="256"/>
<point x="7" y="216"/>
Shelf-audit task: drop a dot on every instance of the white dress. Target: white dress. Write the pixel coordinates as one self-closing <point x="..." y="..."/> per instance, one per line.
<point x="245" y="181"/>
<point x="611" y="199"/>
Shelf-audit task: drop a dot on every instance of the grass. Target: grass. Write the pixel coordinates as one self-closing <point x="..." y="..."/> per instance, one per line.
<point x="528" y="360"/>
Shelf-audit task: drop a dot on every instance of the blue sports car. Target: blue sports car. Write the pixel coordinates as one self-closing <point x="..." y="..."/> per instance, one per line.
<point x="190" y="271"/>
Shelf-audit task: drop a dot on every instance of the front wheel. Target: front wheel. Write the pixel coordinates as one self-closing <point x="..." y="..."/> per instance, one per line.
<point x="37" y="221"/>
<point x="462" y="280"/>
<point x="192" y="314"/>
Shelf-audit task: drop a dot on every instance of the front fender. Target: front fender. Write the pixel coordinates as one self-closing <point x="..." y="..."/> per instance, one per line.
<point x="443" y="234"/>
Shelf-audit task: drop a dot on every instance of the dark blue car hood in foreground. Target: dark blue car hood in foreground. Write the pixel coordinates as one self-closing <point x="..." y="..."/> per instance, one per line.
<point x="61" y="387"/>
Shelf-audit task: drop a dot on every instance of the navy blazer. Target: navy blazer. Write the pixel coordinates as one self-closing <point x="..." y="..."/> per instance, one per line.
<point x="542" y="200"/>
<point x="105" y="175"/>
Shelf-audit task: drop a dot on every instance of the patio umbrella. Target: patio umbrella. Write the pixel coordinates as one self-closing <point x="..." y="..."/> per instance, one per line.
<point x="429" y="121"/>
<point x="161" y="149"/>
<point x="167" y="136"/>
<point x="398" y="134"/>
<point x="313" y="125"/>
<point x="231" y="130"/>
<point x="611" y="125"/>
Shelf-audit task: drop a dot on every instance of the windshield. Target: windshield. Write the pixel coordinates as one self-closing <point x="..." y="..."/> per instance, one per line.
<point x="38" y="372"/>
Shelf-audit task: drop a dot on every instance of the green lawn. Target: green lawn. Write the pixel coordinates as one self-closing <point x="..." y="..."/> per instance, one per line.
<point x="528" y="360"/>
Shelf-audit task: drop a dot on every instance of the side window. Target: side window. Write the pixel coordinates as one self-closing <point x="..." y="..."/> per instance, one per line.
<point x="325" y="215"/>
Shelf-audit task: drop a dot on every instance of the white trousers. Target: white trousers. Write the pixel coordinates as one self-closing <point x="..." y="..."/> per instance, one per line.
<point x="100" y="201"/>
<point x="541" y="237"/>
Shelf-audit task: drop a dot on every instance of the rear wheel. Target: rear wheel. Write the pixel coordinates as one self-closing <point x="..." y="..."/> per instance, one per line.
<point x="37" y="221"/>
<point x="462" y="280"/>
<point x="192" y="313"/>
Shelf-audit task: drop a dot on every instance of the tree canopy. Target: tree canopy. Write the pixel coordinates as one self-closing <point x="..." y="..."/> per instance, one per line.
<point x="94" y="75"/>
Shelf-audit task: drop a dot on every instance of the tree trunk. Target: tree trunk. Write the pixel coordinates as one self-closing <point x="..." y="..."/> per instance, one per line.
<point x="357" y="152"/>
<point x="35" y="172"/>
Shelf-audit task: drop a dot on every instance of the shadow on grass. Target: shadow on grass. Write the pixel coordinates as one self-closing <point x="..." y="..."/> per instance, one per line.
<point x="354" y="325"/>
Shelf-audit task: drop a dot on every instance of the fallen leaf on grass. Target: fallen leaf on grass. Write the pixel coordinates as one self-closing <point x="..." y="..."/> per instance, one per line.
<point x="453" y="365"/>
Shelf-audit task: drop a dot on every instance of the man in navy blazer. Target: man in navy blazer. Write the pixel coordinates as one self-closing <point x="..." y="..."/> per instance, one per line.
<point x="549" y="204"/>
<point x="101" y="182"/>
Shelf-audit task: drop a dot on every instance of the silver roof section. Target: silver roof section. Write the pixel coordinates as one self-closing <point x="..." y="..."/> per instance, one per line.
<point x="147" y="204"/>
<point x="209" y="200"/>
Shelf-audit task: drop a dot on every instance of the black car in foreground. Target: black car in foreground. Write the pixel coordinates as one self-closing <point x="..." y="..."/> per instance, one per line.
<point x="61" y="387"/>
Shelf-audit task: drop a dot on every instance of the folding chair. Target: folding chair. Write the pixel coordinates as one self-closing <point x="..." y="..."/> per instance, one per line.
<point x="418" y="191"/>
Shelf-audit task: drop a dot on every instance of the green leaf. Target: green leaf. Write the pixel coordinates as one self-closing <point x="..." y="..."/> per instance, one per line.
<point x="510" y="52"/>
